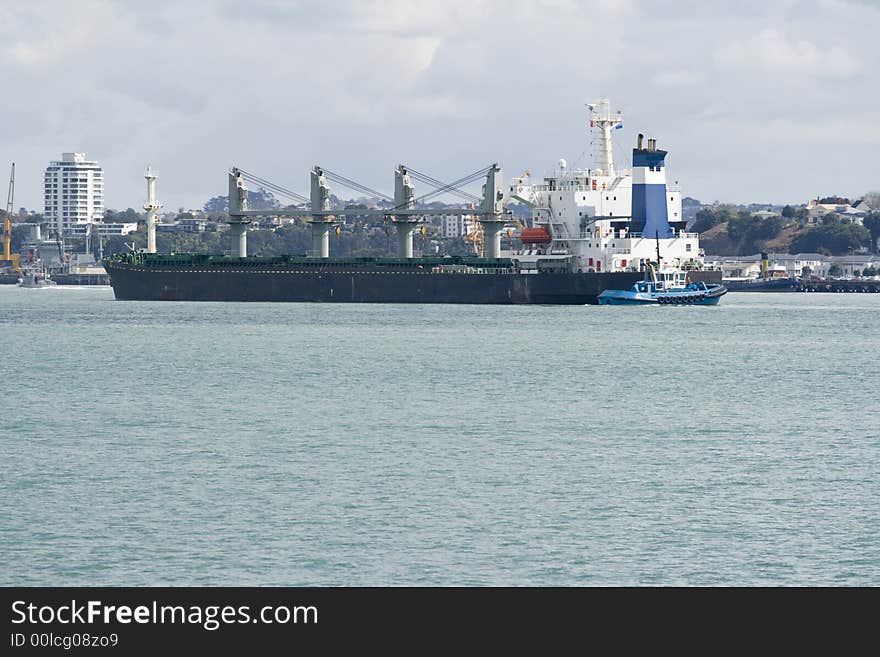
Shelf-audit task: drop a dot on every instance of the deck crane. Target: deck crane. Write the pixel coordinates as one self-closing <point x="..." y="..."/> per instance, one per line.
<point x="8" y="256"/>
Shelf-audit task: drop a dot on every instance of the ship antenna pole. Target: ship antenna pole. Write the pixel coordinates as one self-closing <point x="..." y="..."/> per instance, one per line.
<point x="657" y="237"/>
<point x="601" y="118"/>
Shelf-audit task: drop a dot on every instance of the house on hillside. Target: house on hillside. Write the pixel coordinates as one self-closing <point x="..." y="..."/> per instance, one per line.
<point x="816" y="210"/>
<point x="862" y="204"/>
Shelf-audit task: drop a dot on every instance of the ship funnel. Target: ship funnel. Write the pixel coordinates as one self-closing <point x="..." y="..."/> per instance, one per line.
<point x="650" y="214"/>
<point x="639" y="141"/>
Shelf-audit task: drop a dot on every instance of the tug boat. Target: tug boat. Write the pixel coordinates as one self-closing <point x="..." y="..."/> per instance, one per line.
<point x="672" y="287"/>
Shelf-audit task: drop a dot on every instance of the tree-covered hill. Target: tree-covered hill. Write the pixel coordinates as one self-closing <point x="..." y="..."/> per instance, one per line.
<point x="726" y="231"/>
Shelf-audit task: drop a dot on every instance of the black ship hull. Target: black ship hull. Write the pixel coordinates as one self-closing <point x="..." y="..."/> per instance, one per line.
<point x="191" y="283"/>
<point x="765" y="285"/>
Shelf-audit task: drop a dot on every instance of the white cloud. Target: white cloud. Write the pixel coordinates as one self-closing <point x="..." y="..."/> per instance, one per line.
<point x="678" y="78"/>
<point x="771" y="51"/>
<point x="276" y="86"/>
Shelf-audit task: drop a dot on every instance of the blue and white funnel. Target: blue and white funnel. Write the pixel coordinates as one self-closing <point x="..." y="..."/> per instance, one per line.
<point x="649" y="213"/>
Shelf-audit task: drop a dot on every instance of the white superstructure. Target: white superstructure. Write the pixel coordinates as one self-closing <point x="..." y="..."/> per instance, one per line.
<point x="73" y="193"/>
<point x="605" y="218"/>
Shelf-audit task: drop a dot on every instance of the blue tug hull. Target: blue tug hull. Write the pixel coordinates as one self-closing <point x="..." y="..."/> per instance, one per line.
<point x="645" y="294"/>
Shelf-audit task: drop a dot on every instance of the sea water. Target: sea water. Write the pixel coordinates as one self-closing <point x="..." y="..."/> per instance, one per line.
<point x="307" y="444"/>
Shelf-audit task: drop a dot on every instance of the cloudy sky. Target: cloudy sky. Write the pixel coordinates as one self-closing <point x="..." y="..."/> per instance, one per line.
<point x="771" y="101"/>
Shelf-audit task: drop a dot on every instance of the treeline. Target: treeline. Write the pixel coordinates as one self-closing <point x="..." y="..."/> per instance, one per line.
<point x="836" y="236"/>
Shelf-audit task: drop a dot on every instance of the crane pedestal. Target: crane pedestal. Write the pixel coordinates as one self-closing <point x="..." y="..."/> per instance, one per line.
<point x="492" y="226"/>
<point x="405" y="227"/>
<point x="321" y="236"/>
<point x="238" y="235"/>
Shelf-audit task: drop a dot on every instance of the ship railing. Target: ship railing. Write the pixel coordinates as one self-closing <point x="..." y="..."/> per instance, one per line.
<point x="564" y="187"/>
<point x="636" y="235"/>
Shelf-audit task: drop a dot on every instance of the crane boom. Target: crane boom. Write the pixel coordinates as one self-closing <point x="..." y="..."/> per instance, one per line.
<point x="8" y="256"/>
<point x="10" y="195"/>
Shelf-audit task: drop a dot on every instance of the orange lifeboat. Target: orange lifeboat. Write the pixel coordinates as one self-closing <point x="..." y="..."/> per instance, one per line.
<point x="538" y="235"/>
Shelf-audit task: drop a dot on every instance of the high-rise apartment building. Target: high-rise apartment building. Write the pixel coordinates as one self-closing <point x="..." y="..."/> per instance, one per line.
<point x="73" y="193"/>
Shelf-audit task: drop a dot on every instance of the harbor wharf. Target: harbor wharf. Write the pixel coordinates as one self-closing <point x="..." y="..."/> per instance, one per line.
<point x="853" y="285"/>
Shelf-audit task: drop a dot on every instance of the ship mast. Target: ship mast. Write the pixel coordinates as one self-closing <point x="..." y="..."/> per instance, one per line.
<point x="601" y="118"/>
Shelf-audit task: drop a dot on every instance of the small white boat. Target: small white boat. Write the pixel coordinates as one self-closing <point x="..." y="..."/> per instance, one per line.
<point x="35" y="279"/>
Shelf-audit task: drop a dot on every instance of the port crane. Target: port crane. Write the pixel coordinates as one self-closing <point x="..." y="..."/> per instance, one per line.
<point x="8" y="256"/>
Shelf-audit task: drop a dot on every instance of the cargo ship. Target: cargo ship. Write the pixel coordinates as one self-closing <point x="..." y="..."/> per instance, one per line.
<point x="591" y="230"/>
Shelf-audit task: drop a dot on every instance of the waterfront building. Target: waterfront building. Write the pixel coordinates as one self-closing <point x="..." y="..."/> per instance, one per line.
<point x="790" y="265"/>
<point x="456" y="225"/>
<point x="73" y="192"/>
<point x="852" y="265"/>
<point x="100" y="228"/>
<point x="73" y="198"/>
<point x="190" y="225"/>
